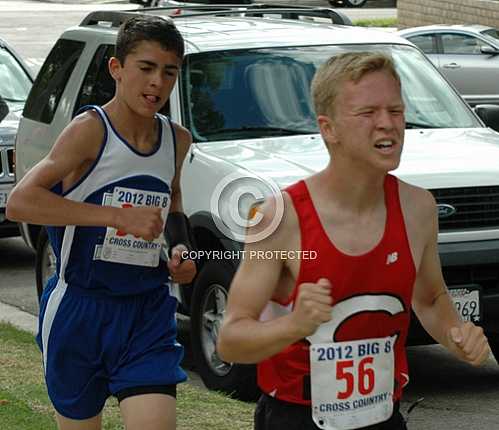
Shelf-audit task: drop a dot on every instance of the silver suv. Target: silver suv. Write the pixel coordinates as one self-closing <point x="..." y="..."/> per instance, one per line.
<point x="15" y="83"/>
<point x="244" y="94"/>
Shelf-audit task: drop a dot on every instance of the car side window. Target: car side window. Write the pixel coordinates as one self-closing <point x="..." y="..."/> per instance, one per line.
<point x="426" y="42"/>
<point x="98" y="86"/>
<point x="453" y="43"/>
<point x="51" y="81"/>
<point x="492" y="32"/>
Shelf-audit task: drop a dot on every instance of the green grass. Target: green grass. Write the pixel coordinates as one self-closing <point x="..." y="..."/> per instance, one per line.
<point x="378" y="22"/>
<point x="16" y="414"/>
<point x="24" y="404"/>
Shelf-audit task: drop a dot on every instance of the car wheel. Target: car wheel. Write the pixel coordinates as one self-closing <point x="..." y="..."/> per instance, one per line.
<point x="45" y="262"/>
<point x="207" y="310"/>
<point x="354" y="3"/>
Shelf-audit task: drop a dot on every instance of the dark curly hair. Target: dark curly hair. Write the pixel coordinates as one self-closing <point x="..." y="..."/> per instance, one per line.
<point x="149" y="28"/>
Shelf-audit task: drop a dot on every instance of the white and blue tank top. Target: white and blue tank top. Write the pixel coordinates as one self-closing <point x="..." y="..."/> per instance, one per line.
<point x="104" y="261"/>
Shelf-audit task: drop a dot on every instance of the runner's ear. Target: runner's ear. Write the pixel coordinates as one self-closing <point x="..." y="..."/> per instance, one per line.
<point x="115" y="67"/>
<point x="327" y="129"/>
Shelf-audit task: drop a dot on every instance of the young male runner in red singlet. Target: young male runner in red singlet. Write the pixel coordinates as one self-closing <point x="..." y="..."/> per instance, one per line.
<point x="329" y="333"/>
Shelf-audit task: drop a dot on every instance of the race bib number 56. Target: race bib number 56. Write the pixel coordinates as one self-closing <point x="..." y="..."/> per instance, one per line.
<point x="352" y="383"/>
<point x="120" y="247"/>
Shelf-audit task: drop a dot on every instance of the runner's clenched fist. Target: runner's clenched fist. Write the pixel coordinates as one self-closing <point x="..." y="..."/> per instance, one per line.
<point x="470" y="343"/>
<point x="312" y="306"/>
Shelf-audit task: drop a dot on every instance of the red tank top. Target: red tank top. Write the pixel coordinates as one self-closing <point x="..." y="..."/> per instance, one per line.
<point x="387" y="271"/>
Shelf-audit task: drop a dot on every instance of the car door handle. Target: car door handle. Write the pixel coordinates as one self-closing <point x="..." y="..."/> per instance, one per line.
<point x="452" y="66"/>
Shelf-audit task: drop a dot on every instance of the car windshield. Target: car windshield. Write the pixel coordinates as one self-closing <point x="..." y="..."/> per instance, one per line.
<point x="14" y="82"/>
<point x="266" y="92"/>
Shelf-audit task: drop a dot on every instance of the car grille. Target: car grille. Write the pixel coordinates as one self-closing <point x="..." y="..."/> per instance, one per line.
<point x="486" y="275"/>
<point x="475" y="207"/>
<point x="6" y="164"/>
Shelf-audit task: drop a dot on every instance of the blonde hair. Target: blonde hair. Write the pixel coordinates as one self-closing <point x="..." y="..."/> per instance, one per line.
<point x="351" y="66"/>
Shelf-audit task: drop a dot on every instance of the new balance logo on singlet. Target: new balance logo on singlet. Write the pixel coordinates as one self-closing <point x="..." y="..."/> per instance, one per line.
<point x="392" y="257"/>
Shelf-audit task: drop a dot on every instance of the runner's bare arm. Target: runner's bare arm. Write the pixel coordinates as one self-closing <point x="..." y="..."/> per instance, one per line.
<point x="31" y="200"/>
<point x="72" y="155"/>
<point x="433" y="304"/>
<point x="182" y="271"/>
<point x="431" y="300"/>
<point x="184" y="140"/>
<point x="246" y="339"/>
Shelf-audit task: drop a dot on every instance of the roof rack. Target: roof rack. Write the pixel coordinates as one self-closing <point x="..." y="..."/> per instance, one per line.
<point x="284" y="12"/>
<point x="116" y="18"/>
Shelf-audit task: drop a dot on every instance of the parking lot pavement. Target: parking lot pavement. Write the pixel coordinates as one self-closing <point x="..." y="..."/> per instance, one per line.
<point x="80" y="2"/>
<point x="49" y="5"/>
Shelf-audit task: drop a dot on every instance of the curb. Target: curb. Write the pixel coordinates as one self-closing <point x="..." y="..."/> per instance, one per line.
<point x="27" y="322"/>
<point x="18" y="318"/>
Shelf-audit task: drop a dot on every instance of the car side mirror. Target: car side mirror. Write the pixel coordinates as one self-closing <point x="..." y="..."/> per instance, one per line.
<point x="489" y="50"/>
<point x="489" y="114"/>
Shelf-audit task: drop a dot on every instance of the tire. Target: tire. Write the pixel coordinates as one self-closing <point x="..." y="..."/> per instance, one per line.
<point x="45" y="263"/>
<point x="354" y="3"/>
<point x="208" y="306"/>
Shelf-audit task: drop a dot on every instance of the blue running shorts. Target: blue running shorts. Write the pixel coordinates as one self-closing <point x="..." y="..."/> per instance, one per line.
<point x="95" y="346"/>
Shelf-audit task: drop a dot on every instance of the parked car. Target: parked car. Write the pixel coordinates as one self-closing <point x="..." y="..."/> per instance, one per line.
<point x="15" y="83"/>
<point x="243" y="92"/>
<point x="348" y="3"/>
<point x="468" y="55"/>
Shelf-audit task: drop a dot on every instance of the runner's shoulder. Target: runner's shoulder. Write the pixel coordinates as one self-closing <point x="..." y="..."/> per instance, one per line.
<point x="184" y="137"/>
<point x="277" y="212"/>
<point x="85" y="134"/>
<point x="417" y="200"/>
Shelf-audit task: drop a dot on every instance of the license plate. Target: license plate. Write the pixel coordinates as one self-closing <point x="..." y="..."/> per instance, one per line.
<point x="467" y="301"/>
<point x="3" y="199"/>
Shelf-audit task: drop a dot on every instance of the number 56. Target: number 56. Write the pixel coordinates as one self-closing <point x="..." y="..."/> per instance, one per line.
<point x="365" y="377"/>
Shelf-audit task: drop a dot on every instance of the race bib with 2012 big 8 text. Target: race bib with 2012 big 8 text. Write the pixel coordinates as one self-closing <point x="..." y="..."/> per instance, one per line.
<point x="352" y="383"/>
<point x="120" y="247"/>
